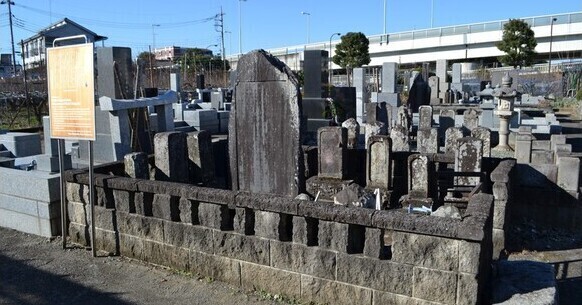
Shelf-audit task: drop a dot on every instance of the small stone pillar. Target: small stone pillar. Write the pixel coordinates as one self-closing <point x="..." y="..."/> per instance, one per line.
<point x="504" y="111"/>
<point x="136" y="165"/>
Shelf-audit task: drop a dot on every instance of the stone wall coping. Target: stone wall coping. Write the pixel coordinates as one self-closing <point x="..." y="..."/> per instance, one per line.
<point x="502" y="171"/>
<point x="471" y="227"/>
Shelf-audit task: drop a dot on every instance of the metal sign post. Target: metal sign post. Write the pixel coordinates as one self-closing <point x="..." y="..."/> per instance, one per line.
<point x="92" y="198"/>
<point x="63" y="192"/>
<point x="71" y="84"/>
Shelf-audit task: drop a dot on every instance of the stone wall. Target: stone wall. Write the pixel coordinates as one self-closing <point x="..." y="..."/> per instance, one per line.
<point x="502" y="177"/>
<point x="305" y="250"/>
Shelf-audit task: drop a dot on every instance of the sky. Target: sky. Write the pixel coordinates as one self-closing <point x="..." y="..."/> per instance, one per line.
<point x="264" y="24"/>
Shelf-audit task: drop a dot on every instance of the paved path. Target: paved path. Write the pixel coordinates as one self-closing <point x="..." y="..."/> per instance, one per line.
<point x="35" y="270"/>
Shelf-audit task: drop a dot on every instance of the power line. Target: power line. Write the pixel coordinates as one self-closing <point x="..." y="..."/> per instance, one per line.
<point x="122" y="25"/>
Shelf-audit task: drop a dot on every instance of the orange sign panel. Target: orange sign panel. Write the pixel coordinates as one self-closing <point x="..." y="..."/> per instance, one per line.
<point x="71" y="87"/>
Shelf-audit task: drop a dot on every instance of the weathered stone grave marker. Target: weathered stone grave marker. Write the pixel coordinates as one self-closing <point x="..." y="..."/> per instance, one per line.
<point x="468" y="159"/>
<point x="353" y="128"/>
<point x="332" y="147"/>
<point x="265" y="128"/>
<point x="427" y="141"/>
<point x="452" y="135"/>
<point x="399" y="137"/>
<point x="470" y="119"/>
<point x="483" y="134"/>
<point x="378" y="167"/>
<point x="425" y="117"/>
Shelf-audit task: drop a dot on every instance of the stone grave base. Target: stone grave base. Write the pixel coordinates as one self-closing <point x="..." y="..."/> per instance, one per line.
<point x="327" y="187"/>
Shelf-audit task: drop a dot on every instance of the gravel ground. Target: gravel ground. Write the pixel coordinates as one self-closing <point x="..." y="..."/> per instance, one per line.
<point x="36" y="270"/>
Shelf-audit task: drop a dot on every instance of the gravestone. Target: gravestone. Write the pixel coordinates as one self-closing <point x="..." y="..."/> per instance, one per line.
<point x="418" y="176"/>
<point x="171" y="156"/>
<point x="381" y="112"/>
<point x="359" y="80"/>
<point x="441" y="73"/>
<point x="267" y="99"/>
<point x="446" y="120"/>
<point x="556" y="139"/>
<point x="200" y="158"/>
<point x="418" y="94"/>
<point x="433" y="84"/>
<point x="390" y="115"/>
<point x="537" y="156"/>
<point x="399" y="137"/>
<point x="374" y="129"/>
<point x="353" y="129"/>
<point x="332" y="148"/>
<point x="378" y="162"/>
<point x="487" y="117"/>
<point x="402" y="119"/>
<point x="175" y="83"/>
<point x="452" y="135"/>
<point x="568" y="173"/>
<point x="389" y="70"/>
<point x="427" y="141"/>
<point x="456" y="79"/>
<point x="470" y="119"/>
<point x="314" y="72"/>
<point x="372" y="112"/>
<point x="441" y="69"/>
<point x="483" y="134"/>
<point x="425" y="117"/>
<point x="468" y="159"/>
<point x="389" y="81"/>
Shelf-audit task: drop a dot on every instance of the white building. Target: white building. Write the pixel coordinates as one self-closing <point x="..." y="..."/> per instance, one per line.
<point x="34" y="47"/>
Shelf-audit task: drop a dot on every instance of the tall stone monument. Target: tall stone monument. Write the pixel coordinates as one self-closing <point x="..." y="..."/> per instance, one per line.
<point x="265" y="128"/>
<point x="506" y="98"/>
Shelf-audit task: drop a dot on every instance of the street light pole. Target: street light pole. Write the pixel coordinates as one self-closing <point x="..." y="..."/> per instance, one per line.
<point x="329" y="68"/>
<point x="308" y="23"/>
<point x="229" y="33"/>
<point x="384" y="17"/>
<point x="10" y="3"/>
<point x="240" y="27"/>
<point x="431" y="13"/>
<point x="210" y="61"/>
<point x="551" y="38"/>
<point x="154" y="38"/>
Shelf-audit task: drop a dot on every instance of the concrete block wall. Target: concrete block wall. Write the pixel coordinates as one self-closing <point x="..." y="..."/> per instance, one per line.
<point x="30" y="201"/>
<point x="309" y="251"/>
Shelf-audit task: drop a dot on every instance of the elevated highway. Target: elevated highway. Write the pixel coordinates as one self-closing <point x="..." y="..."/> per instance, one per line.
<point x="467" y="42"/>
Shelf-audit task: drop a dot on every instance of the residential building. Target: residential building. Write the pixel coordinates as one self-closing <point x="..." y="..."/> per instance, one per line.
<point x="35" y="47"/>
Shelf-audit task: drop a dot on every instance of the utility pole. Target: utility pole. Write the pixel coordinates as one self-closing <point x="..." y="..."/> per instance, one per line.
<point x="10" y="3"/>
<point x="219" y="25"/>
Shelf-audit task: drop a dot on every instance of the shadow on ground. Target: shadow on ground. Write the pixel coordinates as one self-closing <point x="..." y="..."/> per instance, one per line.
<point x="570" y="291"/>
<point x="24" y="284"/>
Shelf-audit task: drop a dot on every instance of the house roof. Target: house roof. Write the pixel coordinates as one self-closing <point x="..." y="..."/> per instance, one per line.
<point x="53" y="28"/>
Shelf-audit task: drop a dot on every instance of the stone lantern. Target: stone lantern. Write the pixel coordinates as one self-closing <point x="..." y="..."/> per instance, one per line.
<point x="505" y="98"/>
<point x="486" y="95"/>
